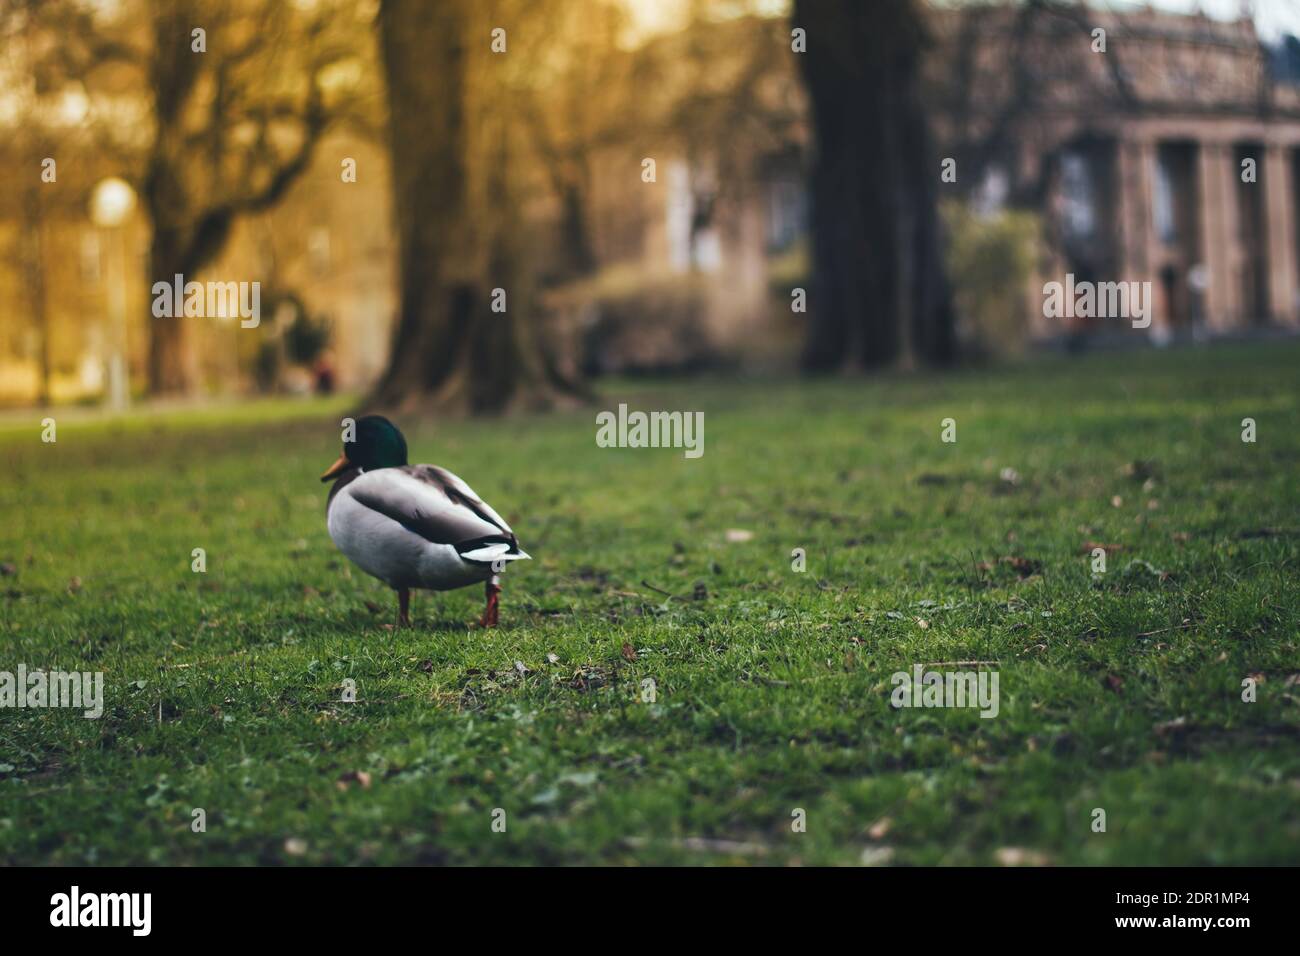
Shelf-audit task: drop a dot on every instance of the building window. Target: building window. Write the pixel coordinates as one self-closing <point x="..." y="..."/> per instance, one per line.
<point x="1078" y="198"/>
<point x="991" y="195"/>
<point x="787" y="213"/>
<point x="1163" y="202"/>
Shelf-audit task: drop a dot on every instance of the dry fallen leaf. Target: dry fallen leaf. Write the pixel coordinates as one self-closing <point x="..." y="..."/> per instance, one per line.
<point x="1176" y="726"/>
<point x="629" y="652"/>
<point x="1089" y="546"/>
<point x="1022" y="566"/>
<point x="354" y="776"/>
<point x="1020" y="856"/>
<point x="1139" y="470"/>
<point x="876" y="855"/>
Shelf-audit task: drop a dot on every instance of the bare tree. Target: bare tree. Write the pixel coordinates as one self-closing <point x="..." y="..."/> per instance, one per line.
<point x="1003" y="66"/>
<point x="233" y="97"/>
<point x="729" y="118"/>
<point x="571" y="81"/>
<point x="236" y="125"/>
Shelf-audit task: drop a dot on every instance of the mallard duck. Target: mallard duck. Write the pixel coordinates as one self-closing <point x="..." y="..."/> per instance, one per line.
<point x="413" y="526"/>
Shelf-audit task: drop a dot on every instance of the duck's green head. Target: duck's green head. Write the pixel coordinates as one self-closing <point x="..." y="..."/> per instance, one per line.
<point x="376" y="443"/>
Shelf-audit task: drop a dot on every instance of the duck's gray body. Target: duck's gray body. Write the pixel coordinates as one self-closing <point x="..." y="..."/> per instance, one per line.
<point x="418" y="526"/>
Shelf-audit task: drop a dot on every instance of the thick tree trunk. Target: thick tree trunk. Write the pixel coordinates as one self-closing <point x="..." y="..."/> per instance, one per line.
<point x="34" y="264"/>
<point x="172" y="73"/>
<point x="880" y="295"/>
<point x="171" y="364"/>
<point x="193" y="212"/>
<point x="581" y="257"/>
<point x="458" y="228"/>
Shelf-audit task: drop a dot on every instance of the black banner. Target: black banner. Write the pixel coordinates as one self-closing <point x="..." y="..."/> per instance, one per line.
<point x="1226" y="906"/>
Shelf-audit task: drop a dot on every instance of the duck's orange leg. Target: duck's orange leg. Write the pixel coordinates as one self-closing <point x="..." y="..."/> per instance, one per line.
<point x="491" y="591"/>
<point x="403" y="607"/>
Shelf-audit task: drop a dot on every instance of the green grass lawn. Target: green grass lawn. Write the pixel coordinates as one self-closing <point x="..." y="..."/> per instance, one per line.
<point x="1120" y="691"/>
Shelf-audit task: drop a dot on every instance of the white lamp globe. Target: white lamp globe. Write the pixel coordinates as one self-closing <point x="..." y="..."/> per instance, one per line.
<point x="111" y="202"/>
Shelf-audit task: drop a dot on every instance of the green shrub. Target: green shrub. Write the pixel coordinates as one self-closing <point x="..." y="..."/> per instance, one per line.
<point x="990" y="262"/>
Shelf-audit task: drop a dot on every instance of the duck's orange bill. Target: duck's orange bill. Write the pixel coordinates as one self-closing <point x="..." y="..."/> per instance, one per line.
<point x="337" y="468"/>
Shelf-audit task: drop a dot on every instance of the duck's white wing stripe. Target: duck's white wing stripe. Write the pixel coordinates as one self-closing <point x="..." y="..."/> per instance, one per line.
<point x="419" y="506"/>
<point x="497" y="551"/>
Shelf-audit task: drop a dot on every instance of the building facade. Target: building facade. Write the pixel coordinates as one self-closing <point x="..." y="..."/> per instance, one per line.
<point x="1157" y="148"/>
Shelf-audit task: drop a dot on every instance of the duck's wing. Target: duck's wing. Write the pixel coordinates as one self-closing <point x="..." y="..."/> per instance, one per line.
<point x="460" y="493"/>
<point x="412" y="497"/>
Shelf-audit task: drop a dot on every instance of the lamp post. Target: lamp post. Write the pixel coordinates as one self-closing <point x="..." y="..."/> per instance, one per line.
<point x="111" y="204"/>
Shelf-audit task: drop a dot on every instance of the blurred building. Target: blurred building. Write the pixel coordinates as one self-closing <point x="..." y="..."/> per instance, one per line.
<point x="1147" y="146"/>
<point x="1171" y="156"/>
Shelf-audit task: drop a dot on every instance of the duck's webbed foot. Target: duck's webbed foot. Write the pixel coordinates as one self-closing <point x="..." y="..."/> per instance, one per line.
<point x="491" y="591"/>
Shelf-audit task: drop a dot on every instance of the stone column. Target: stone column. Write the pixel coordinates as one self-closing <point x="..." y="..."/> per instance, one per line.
<point x="1279" y="212"/>
<point x="1136" y="169"/>
<point x="1136" y="223"/>
<point x="1220" y="243"/>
